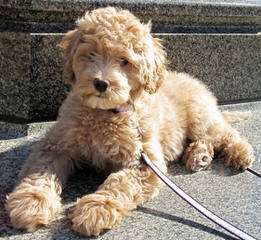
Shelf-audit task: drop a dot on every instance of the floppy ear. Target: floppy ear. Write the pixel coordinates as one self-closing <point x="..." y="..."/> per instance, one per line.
<point x="155" y="67"/>
<point x="68" y="46"/>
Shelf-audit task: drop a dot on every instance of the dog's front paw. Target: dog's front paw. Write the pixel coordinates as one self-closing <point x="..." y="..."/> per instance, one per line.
<point x="32" y="205"/>
<point x="95" y="213"/>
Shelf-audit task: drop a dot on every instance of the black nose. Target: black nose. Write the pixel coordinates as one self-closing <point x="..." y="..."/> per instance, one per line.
<point x="100" y="85"/>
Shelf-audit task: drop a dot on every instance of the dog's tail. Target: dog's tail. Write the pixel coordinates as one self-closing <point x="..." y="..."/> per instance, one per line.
<point x="236" y="116"/>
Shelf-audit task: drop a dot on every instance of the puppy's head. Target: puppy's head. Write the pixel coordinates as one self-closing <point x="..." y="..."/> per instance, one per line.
<point x="111" y="57"/>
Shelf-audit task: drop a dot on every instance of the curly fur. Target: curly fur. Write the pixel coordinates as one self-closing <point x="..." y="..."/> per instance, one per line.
<point x="182" y="116"/>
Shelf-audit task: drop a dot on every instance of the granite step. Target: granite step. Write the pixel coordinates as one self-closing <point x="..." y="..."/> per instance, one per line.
<point x="216" y="41"/>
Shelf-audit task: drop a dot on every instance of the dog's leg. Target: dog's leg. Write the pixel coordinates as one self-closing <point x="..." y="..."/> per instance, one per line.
<point x="36" y="199"/>
<point x="121" y="192"/>
<point x="208" y="129"/>
<point x="236" y="150"/>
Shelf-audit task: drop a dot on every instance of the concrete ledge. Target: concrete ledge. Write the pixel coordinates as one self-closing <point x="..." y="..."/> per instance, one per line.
<point x="215" y="41"/>
<point x="228" y="63"/>
<point x="192" y="12"/>
<point x="32" y="64"/>
<point x="30" y="80"/>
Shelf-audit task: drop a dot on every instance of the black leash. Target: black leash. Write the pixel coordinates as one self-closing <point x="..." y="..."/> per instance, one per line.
<point x="254" y="172"/>
<point x="210" y="215"/>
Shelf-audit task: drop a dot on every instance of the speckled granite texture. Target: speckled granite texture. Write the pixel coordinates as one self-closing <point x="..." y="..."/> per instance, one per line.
<point x="215" y="41"/>
<point x="192" y="12"/>
<point x="229" y="64"/>
<point x="232" y="195"/>
<point x="30" y="82"/>
<point x="32" y="88"/>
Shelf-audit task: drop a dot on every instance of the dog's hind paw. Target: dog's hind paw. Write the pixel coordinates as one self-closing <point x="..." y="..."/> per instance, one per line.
<point x="200" y="162"/>
<point x="239" y="155"/>
<point x="198" y="156"/>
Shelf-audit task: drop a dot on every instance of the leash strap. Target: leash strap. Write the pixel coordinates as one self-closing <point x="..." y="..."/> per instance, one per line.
<point x="210" y="215"/>
<point x="254" y="172"/>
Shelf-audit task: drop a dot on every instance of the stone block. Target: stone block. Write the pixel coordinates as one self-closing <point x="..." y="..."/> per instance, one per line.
<point x="229" y="64"/>
<point x="30" y="80"/>
<point x="217" y="42"/>
<point x="15" y="62"/>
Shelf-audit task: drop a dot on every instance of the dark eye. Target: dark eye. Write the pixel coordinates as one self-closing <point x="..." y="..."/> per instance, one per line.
<point x="123" y="62"/>
<point x="91" y="56"/>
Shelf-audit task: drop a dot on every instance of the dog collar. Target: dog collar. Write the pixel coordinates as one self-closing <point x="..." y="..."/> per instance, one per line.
<point x="123" y="108"/>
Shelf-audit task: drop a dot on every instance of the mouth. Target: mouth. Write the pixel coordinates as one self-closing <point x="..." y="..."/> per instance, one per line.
<point x="104" y="100"/>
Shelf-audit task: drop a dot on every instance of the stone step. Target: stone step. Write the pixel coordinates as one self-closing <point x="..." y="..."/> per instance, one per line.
<point x="218" y="42"/>
<point x="233" y="195"/>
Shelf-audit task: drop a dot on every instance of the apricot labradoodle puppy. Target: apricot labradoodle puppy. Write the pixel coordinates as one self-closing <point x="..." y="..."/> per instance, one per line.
<point x="123" y="102"/>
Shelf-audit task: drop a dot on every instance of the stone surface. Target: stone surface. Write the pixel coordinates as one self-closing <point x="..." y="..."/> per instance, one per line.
<point x="232" y="195"/>
<point x="15" y="59"/>
<point x="46" y="86"/>
<point x="215" y="41"/>
<point x="229" y="64"/>
<point x="193" y="12"/>
<point x="32" y="89"/>
<point x="30" y="80"/>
